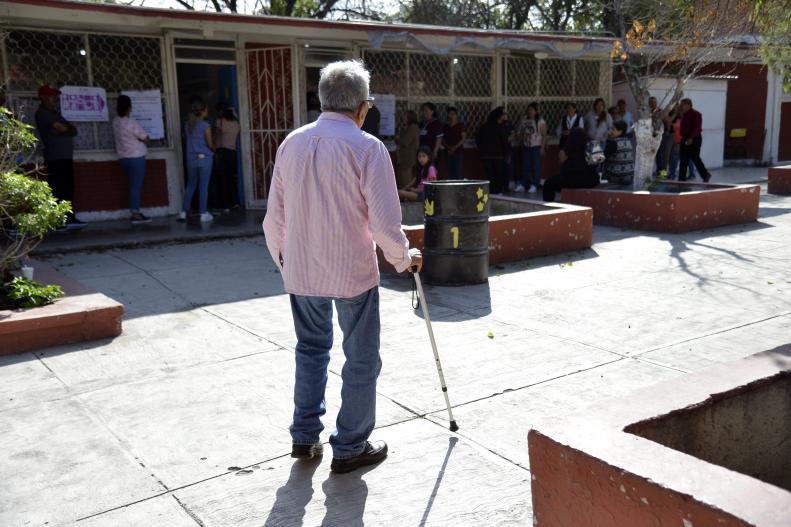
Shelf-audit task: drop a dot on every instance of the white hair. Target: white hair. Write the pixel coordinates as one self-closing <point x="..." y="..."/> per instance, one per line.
<point x="343" y="85"/>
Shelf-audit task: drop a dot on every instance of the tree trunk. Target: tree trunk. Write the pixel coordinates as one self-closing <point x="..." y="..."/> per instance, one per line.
<point x="648" y="142"/>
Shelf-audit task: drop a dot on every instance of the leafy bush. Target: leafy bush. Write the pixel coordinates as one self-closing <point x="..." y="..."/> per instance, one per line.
<point x="27" y="208"/>
<point x="25" y="293"/>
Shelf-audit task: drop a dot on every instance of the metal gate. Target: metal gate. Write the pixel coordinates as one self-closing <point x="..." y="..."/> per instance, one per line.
<point x="271" y="103"/>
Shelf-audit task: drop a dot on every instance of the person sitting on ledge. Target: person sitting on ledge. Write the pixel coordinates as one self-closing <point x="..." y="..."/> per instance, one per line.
<point x="619" y="156"/>
<point x="423" y="171"/>
<point x="575" y="172"/>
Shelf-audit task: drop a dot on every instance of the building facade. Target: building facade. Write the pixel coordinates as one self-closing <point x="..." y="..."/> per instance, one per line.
<point x="264" y="67"/>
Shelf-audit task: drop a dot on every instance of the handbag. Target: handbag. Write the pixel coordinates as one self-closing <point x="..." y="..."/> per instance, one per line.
<point x="594" y="154"/>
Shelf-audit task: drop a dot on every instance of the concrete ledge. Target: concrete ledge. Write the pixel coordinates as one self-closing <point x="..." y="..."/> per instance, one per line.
<point x="780" y="180"/>
<point x="83" y="314"/>
<point x="542" y="229"/>
<point x="587" y="470"/>
<point x="713" y="205"/>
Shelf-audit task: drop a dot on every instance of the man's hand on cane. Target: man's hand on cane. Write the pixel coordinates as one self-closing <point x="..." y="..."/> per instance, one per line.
<point x="417" y="261"/>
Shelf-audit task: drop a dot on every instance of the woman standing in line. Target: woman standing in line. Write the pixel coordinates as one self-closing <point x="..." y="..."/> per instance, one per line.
<point x="199" y="153"/>
<point x="226" y="132"/>
<point x="533" y="136"/>
<point x="598" y="123"/>
<point x="407" y="142"/>
<point x="493" y="146"/>
<point x="130" y="144"/>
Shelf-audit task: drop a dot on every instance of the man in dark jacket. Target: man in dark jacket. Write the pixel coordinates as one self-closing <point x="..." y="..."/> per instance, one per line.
<point x="691" y="141"/>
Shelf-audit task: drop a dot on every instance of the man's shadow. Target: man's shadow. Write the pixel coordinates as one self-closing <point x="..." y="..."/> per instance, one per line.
<point x="345" y="496"/>
<point x="292" y="498"/>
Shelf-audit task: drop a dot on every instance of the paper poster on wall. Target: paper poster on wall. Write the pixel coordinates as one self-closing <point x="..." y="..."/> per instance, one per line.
<point x="387" y="109"/>
<point x="83" y="103"/>
<point x="147" y="111"/>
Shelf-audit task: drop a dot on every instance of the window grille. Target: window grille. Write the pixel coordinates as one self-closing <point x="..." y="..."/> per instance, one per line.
<point x="468" y="82"/>
<point x="113" y="62"/>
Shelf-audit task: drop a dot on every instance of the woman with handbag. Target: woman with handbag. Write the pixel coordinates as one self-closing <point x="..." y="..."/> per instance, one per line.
<point x="575" y="171"/>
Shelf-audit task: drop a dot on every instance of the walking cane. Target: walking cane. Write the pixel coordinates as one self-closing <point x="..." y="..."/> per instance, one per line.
<point x="424" y="306"/>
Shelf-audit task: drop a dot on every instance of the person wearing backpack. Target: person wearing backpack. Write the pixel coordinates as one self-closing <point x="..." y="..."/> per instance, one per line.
<point x="618" y="166"/>
<point x="575" y="172"/>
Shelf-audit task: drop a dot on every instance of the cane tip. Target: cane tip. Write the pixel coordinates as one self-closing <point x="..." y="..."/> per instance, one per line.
<point x="453" y="426"/>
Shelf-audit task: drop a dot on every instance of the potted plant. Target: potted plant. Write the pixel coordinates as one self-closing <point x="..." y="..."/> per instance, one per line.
<point x="28" y="211"/>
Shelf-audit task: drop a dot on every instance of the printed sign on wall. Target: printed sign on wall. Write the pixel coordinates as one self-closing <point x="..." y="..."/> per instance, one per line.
<point x="83" y="103"/>
<point x="387" y="110"/>
<point x="147" y="111"/>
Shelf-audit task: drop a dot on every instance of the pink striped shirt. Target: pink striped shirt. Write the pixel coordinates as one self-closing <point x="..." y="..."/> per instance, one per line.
<point x="333" y="198"/>
<point x="129" y="136"/>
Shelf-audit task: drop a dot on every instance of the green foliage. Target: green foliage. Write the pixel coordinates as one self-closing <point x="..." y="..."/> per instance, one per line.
<point x="27" y="208"/>
<point x="772" y="20"/>
<point x="25" y="293"/>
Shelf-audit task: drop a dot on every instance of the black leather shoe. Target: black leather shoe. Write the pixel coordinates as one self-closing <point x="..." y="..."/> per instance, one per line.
<point x="307" y="451"/>
<point x="372" y="454"/>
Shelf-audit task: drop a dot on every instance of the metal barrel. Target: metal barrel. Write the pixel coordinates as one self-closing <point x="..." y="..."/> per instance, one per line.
<point x="456" y="232"/>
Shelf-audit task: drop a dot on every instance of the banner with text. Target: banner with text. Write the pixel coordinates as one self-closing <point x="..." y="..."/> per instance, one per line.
<point x="83" y="103"/>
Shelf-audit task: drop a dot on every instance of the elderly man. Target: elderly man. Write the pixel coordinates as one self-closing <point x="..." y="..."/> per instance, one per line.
<point x="333" y="198"/>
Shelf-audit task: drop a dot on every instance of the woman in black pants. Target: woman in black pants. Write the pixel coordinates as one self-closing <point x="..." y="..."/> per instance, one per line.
<point x="493" y="146"/>
<point x="575" y="172"/>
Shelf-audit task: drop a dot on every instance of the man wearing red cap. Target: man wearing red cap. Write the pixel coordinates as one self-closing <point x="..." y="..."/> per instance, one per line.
<point x="57" y="135"/>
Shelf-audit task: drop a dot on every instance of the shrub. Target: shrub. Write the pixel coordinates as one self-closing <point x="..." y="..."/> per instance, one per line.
<point x="25" y="293"/>
<point x="27" y="208"/>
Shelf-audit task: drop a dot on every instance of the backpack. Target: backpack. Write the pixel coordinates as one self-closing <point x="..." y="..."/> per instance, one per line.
<point x="594" y="154"/>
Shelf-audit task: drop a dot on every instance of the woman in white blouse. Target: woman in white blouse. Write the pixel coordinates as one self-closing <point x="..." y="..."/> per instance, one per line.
<point x="598" y="122"/>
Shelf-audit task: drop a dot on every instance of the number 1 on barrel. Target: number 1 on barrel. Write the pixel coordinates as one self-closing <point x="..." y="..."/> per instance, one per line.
<point x="455" y="232"/>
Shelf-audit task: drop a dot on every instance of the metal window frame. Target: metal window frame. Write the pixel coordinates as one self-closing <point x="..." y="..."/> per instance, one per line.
<point x="13" y="94"/>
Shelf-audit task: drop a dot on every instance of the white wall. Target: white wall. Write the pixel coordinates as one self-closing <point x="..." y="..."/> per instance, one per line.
<point x="709" y="97"/>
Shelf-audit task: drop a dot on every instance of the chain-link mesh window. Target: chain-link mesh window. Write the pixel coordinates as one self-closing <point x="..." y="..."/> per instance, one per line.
<point x="472" y="76"/>
<point x="468" y="83"/>
<point x="462" y="81"/>
<point x="35" y="58"/>
<point x="586" y="79"/>
<point x="555" y="77"/>
<point x="552" y="83"/>
<point x="115" y="63"/>
<point x="521" y="75"/>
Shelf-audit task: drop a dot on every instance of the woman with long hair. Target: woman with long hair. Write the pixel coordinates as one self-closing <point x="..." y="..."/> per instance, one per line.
<point x="533" y="140"/>
<point x="226" y="132"/>
<point x="424" y="171"/>
<point x="130" y="144"/>
<point x="575" y="172"/>
<point x="598" y="122"/>
<point x="493" y="147"/>
<point x="407" y="141"/>
<point x="199" y="152"/>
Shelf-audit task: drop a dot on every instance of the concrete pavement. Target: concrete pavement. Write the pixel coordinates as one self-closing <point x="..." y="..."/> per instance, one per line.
<point x="183" y="419"/>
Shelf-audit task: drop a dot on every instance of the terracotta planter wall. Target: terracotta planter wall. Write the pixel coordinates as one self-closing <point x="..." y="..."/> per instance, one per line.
<point x="715" y="206"/>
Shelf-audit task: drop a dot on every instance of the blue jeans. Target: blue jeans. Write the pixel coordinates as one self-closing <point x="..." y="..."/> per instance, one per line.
<point x="135" y="170"/>
<point x="358" y="318"/>
<point x="199" y="173"/>
<point x="455" y="165"/>
<point x="531" y="164"/>
<point x="674" y="161"/>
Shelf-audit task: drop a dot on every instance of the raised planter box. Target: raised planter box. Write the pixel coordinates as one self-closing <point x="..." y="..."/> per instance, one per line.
<point x="780" y="181"/>
<point x="519" y="229"/>
<point x="708" y="449"/>
<point x="675" y="207"/>
<point x="83" y="314"/>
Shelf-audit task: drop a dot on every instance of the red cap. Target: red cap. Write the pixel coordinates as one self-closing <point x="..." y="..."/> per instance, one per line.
<point x="46" y="89"/>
